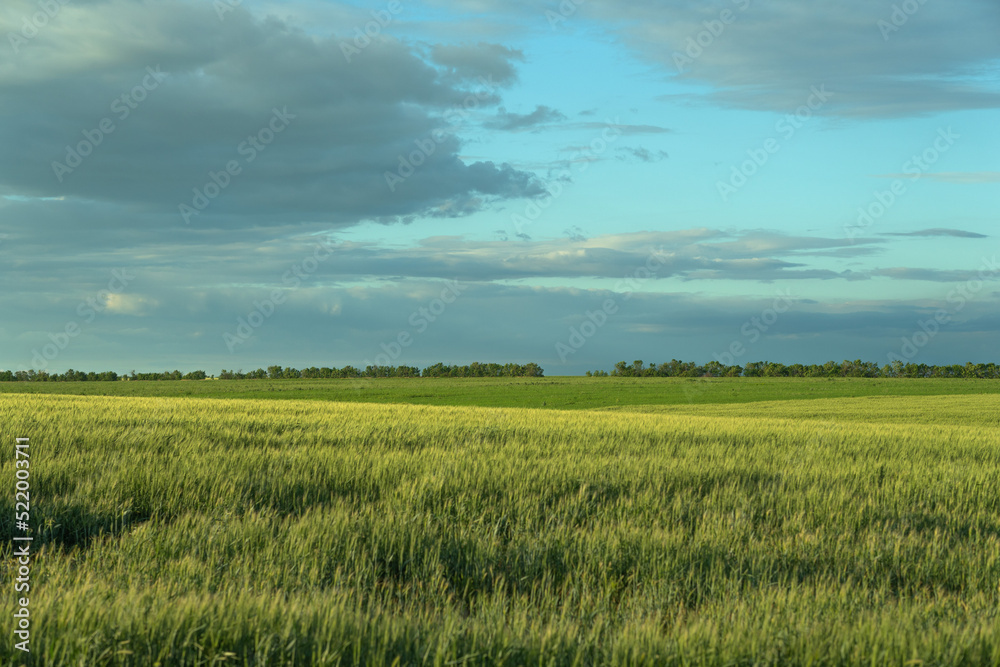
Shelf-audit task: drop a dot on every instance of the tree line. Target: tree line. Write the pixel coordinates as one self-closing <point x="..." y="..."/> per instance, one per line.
<point x="856" y="368"/>
<point x="475" y="369"/>
<point x="638" y="368"/>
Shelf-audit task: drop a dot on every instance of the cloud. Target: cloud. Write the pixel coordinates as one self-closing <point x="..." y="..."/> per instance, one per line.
<point x="967" y="177"/>
<point x="215" y="260"/>
<point x="623" y="128"/>
<point x="767" y="56"/>
<point x="936" y="275"/>
<point x="209" y="87"/>
<point x="542" y="115"/>
<point x="181" y="95"/>
<point x="771" y="55"/>
<point x="642" y="154"/>
<point x="334" y="325"/>
<point x="613" y="124"/>
<point x="957" y="233"/>
<point x="130" y="304"/>
<point x="687" y="254"/>
<point x="470" y="62"/>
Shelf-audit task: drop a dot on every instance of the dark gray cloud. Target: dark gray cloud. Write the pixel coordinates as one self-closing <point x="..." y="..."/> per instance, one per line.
<point x="177" y="324"/>
<point x="315" y="132"/>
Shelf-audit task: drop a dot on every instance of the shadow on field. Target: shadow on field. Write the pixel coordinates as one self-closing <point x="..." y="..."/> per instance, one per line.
<point x="71" y="525"/>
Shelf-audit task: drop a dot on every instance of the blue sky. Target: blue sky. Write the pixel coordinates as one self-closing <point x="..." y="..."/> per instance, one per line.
<point x="225" y="184"/>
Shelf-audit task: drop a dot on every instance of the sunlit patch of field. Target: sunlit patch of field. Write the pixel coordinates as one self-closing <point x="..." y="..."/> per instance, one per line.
<point x="971" y="410"/>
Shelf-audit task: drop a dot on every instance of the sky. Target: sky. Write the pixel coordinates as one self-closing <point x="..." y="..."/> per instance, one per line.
<point x="209" y="184"/>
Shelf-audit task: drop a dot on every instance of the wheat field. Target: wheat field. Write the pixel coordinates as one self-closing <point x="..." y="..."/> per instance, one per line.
<point x="197" y="531"/>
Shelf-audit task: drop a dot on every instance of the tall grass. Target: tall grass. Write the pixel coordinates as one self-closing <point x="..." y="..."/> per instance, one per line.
<point x="204" y="531"/>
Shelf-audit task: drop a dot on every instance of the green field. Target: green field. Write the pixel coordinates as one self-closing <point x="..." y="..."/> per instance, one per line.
<point x="484" y="522"/>
<point x="564" y="393"/>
